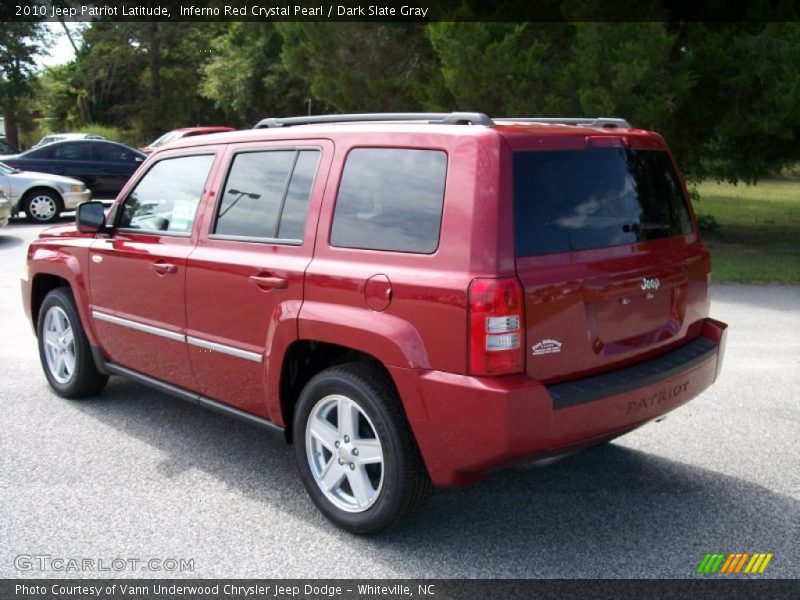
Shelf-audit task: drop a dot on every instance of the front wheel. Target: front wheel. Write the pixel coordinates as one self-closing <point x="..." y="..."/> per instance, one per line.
<point x="64" y="348"/>
<point x="355" y="451"/>
<point x="42" y="206"/>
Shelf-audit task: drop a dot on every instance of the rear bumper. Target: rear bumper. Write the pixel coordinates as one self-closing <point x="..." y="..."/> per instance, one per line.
<point x="466" y="426"/>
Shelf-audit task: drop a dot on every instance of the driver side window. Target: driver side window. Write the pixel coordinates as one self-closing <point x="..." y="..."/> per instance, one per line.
<point x="166" y="198"/>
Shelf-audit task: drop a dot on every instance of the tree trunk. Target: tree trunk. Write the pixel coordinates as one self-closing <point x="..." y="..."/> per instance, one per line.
<point x="12" y="130"/>
<point x="69" y="35"/>
<point x="155" y="62"/>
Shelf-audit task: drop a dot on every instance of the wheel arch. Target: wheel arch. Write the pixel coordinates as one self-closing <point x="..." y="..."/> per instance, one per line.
<point x="41" y="285"/>
<point x="41" y="187"/>
<point x="304" y="359"/>
<point x="53" y="268"/>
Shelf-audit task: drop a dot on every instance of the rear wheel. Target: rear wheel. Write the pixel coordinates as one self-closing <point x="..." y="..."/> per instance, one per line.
<point x="64" y="349"/>
<point x="355" y="451"/>
<point x="42" y="206"/>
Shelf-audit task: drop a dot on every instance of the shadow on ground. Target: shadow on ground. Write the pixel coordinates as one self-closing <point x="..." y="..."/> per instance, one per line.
<point x="9" y="241"/>
<point x="607" y="512"/>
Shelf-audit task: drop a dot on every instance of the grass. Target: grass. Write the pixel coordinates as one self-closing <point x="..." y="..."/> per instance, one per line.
<point x="758" y="240"/>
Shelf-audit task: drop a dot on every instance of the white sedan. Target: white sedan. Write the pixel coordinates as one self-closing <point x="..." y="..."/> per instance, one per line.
<point x="5" y="209"/>
<point x="42" y="196"/>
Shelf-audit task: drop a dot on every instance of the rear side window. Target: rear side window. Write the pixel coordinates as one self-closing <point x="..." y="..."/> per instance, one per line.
<point x="266" y="195"/>
<point x="72" y="151"/>
<point x="390" y="199"/>
<point x="166" y="198"/>
<point x="580" y="199"/>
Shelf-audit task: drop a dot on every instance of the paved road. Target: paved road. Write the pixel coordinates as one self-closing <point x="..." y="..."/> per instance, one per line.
<point x="136" y="474"/>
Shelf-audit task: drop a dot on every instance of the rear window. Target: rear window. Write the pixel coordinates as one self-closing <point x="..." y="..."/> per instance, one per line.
<point x="580" y="199"/>
<point x="390" y="199"/>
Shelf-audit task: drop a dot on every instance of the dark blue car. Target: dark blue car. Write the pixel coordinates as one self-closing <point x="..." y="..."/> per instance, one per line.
<point x="103" y="166"/>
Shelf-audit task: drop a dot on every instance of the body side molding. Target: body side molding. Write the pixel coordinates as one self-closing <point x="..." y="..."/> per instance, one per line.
<point x="191" y="397"/>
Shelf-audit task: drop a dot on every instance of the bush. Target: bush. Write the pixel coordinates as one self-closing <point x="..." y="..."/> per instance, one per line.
<point x="110" y="133"/>
<point x="41" y="127"/>
<point x="707" y="222"/>
<point x="791" y="172"/>
<point x="32" y="133"/>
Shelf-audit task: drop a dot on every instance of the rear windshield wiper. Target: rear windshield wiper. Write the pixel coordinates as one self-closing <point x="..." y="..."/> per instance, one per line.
<point x="636" y="227"/>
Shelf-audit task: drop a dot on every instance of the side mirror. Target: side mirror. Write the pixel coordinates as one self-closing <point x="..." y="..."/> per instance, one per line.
<point x="90" y="217"/>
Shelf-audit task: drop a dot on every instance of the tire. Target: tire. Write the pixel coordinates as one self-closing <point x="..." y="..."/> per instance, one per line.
<point x="383" y="495"/>
<point x="43" y="206"/>
<point x="64" y="349"/>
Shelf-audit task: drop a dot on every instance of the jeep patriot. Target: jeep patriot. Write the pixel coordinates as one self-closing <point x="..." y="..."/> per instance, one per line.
<point x="411" y="299"/>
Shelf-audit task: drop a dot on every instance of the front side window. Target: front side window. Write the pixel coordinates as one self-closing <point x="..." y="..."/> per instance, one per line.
<point x="105" y="152"/>
<point x="390" y="199"/>
<point x="166" y="198"/>
<point x="266" y="195"/>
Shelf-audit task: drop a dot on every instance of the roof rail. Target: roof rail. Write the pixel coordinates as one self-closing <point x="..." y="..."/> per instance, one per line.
<point x="610" y="122"/>
<point x="454" y="118"/>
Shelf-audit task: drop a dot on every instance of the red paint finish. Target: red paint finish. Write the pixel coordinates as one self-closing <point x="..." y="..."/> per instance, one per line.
<point x="247" y="295"/>
<point x="65" y="257"/>
<point x="580" y="313"/>
<point x="499" y="421"/>
<point x="158" y="266"/>
<point x="378" y="292"/>
<point x="592" y="303"/>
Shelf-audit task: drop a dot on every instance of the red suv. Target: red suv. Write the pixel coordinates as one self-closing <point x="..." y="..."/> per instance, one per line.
<point x="409" y="298"/>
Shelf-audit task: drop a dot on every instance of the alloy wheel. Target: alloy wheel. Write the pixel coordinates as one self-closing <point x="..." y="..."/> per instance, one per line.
<point x="344" y="453"/>
<point x="59" y="345"/>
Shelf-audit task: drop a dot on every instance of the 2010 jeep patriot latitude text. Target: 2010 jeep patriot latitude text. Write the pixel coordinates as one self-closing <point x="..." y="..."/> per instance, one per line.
<point x="411" y="298"/>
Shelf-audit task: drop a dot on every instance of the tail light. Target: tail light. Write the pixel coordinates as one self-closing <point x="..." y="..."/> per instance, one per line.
<point x="496" y="316"/>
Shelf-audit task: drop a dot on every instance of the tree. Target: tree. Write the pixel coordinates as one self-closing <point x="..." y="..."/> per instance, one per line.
<point x="141" y="76"/>
<point x="501" y="68"/>
<point x="740" y="121"/>
<point x="246" y="78"/>
<point x="176" y="57"/>
<point x="723" y="94"/>
<point x="628" y="69"/>
<point x="20" y="43"/>
<point x="104" y="78"/>
<point x="364" y="66"/>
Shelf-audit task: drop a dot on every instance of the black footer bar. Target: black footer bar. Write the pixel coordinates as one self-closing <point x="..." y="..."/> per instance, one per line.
<point x="391" y="589"/>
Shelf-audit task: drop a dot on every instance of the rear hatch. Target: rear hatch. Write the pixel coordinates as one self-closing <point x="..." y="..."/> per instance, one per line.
<point x="612" y="270"/>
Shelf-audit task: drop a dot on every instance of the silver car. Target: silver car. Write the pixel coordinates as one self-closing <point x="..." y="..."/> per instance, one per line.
<point x="5" y="209"/>
<point x="42" y="196"/>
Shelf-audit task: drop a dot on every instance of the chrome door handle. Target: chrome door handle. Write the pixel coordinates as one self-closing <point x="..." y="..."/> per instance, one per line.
<point x="163" y="268"/>
<point x="269" y="282"/>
